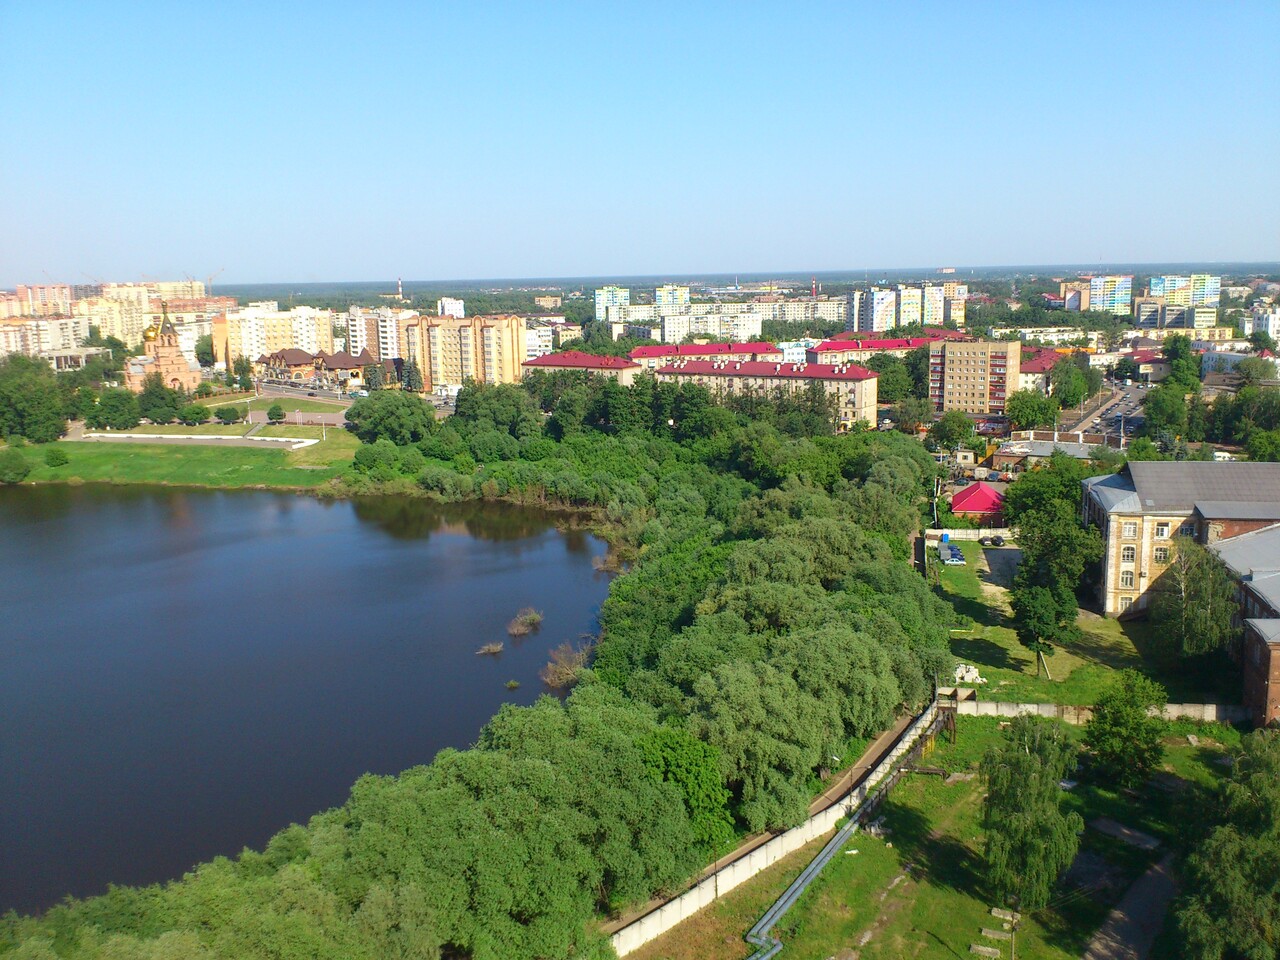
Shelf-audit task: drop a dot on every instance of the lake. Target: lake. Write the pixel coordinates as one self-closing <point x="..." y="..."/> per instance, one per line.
<point x="184" y="673"/>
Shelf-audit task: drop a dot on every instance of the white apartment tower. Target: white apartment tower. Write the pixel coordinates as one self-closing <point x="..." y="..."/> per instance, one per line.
<point x="879" y="310"/>
<point x="671" y="295"/>
<point x="451" y="307"/>
<point x="607" y="297"/>
<point x="909" y="305"/>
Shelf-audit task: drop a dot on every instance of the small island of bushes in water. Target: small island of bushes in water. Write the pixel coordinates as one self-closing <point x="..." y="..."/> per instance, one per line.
<point x="524" y="622"/>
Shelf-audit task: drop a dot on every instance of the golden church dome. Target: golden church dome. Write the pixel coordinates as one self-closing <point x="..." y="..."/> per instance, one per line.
<point x="151" y="332"/>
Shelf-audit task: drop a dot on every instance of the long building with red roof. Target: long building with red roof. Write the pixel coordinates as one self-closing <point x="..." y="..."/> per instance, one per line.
<point x="852" y="386"/>
<point x="621" y="369"/>
<point x="652" y="357"/>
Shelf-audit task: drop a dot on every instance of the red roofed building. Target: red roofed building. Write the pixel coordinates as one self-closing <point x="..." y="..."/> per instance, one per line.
<point x="620" y="368"/>
<point x="653" y="357"/>
<point x="980" y="502"/>
<point x="853" y="387"/>
<point x="844" y="349"/>
<point x="1033" y="373"/>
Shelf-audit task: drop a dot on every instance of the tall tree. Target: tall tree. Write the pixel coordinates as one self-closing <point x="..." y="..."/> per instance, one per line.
<point x="1123" y="735"/>
<point x="412" y="376"/>
<point x="1028" y="409"/>
<point x="1232" y="904"/>
<point x="375" y="376"/>
<point x="204" y="350"/>
<point x="1030" y="841"/>
<point x="1195" y="602"/>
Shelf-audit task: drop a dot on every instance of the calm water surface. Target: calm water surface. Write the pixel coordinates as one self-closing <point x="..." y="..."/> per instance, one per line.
<point x="182" y="674"/>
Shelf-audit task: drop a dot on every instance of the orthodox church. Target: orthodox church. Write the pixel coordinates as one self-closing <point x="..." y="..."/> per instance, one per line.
<point x="161" y="355"/>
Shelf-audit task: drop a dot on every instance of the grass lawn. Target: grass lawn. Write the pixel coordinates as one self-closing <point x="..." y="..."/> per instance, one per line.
<point x="919" y="892"/>
<point x="201" y="466"/>
<point x="1080" y="671"/>
<point x="289" y="404"/>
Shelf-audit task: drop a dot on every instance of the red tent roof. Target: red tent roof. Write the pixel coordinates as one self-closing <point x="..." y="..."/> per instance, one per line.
<point x="978" y="497"/>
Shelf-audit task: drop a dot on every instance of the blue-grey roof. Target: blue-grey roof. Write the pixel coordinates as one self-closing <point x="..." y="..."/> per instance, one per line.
<point x="1254" y="558"/>
<point x="1239" y="509"/>
<point x="1114" y="493"/>
<point x="1268" y="629"/>
<point x="1175" y="486"/>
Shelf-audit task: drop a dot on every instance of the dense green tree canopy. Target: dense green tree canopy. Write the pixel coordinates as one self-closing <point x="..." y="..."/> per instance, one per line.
<point x="1123" y="735"/>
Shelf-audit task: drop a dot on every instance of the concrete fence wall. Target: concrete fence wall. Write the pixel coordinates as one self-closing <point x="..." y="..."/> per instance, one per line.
<point x="659" y="921"/>
<point x="974" y="534"/>
<point x="1222" y="712"/>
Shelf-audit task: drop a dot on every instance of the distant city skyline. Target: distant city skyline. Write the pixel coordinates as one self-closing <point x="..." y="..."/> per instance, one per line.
<point x="585" y="140"/>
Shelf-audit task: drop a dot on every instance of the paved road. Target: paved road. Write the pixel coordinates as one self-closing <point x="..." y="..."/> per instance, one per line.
<point x="1133" y="925"/>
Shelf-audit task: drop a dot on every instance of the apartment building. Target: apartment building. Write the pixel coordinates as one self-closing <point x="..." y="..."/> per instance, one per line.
<point x="1196" y="290"/>
<point x="452" y="350"/>
<point x="1111" y="294"/>
<point x="621" y="369"/>
<point x="262" y="328"/>
<point x="548" y="302"/>
<point x="844" y="349"/>
<point x="539" y="341"/>
<point x="611" y="296"/>
<point x="671" y="295"/>
<point x="853" y="387"/>
<point x="1265" y="319"/>
<point x="44" y="299"/>
<point x="878" y="310"/>
<point x="933" y="304"/>
<point x="651" y="357"/>
<point x="41" y="335"/>
<point x="954" y="312"/>
<point x="1075" y="294"/>
<point x="451" y="307"/>
<point x="910" y="305"/>
<point x="954" y="290"/>
<point x="973" y="376"/>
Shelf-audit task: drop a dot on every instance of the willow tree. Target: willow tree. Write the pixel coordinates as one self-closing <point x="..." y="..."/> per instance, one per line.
<point x="1030" y="841"/>
<point x="1195" y="601"/>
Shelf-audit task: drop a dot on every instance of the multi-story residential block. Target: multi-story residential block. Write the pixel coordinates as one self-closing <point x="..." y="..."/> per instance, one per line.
<point x="797" y="351"/>
<point x="852" y="387"/>
<point x="1197" y="290"/>
<point x="548" y="301"/>
<point x="853" y="310"/>
<point x="451" y="307"/>
<point x="262" y="328"/>
<point x="1265" y="319"/>
<point x="973" y="377"/>
<point x="37" y="336"/>
<point x="1055" y="336"/>
<point x="1201" y="318"/>
<point x="909" y="305"/>
<point x="954" y="290"/>
<point x="44" y="299"/>
<point x="729" y="322"/>
<point x="954" y="311"/>
<point x="845" y="349"/>
<point x="1033" y="371"/>
<point x="452" y="350"/>
<point x="1111" y="294"/>
<point x="611" y="296"/>
<point x="540" y="339"/>
<point x="878" y="310"/>
<point x="1141" y="509"/>
<point x="820" y="309"/>
<point x="671" y="295"/>
<point x="618" y="368"/>
<point x="1075" y="294"/>
<point x="933" y="305"/>
<point x="651" y="358"/>
<point x="1147" y="311"/>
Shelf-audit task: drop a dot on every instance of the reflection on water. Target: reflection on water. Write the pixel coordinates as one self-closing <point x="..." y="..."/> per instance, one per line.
<point x="183" y="673"/>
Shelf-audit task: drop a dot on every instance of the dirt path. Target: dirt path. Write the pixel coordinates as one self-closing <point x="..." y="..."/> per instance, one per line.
<point x="996" y="567"/>
<point x="1132" y="926"/>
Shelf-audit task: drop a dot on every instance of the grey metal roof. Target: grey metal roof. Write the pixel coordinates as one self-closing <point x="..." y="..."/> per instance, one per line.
<point x="1268" y="629"/>
<point x="1255" y="559"/>
<point x="1239" y="509"/>
<point x="1175" y="486"/>
<point x="1114" y="492"/>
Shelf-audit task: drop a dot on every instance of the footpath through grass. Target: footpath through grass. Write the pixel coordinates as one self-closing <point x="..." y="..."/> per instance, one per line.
<point x="919" y="891"/>
<point x="287" y="403"/>
<point x="196" y="465"/>
<point x="1082" y="670"/>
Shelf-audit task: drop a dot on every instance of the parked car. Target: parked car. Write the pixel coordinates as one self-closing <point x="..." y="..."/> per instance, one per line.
<point x="311" y="393"/>
<point x="953" y="561"/>
<point x="985" y="541"/>
<point x="997" y="541"/>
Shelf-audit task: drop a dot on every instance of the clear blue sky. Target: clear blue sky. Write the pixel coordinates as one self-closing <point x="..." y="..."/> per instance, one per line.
<point x="463" y="140"/>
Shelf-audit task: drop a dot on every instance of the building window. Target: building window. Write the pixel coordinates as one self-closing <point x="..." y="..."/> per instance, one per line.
<point x="1161" y="555"/>
<point x="1126" y="579"/>
<point x="1129" y="530"/>
<point x="1125" y="603"/>
<point x="1128" y="554"/>
<point x="1162" y="531"/>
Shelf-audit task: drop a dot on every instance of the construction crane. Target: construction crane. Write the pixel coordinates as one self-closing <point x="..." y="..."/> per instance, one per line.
<point x="208" y="281"/>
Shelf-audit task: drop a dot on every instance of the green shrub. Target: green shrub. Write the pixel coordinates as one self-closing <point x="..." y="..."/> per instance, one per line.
<point x="56" y="457"/>
<point x="13" y="466"/>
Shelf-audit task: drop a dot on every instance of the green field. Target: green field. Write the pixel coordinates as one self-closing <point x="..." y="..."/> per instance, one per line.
<point x="289" y="404"/>
<point x="919" y="891"/>
<point x="1080" y="671"/>
<point x="192" y="465"/>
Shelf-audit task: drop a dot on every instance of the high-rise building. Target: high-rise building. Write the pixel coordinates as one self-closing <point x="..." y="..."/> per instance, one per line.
<point x="671" y="295"/>
<point x="909" y="305"/>
<point x="451" y="307"/>
<point x="973" y="377"/>
<point x="607" y="297"/>
<point x="1197" y="290"/>
<point x="853" y="310"/>
<point x="953" y="311"/>
<point x="1075" y="294"/>
<point x="1111" y="294"/>
<point x="45" y="299"/>
<point x="879" y="310"/>
<point x="262" y="329"/>
<point x="954" y="289"/>
<point x="1146" y="311"/>
<point x="933" y="303"/>
<point x="452" y="350"/>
